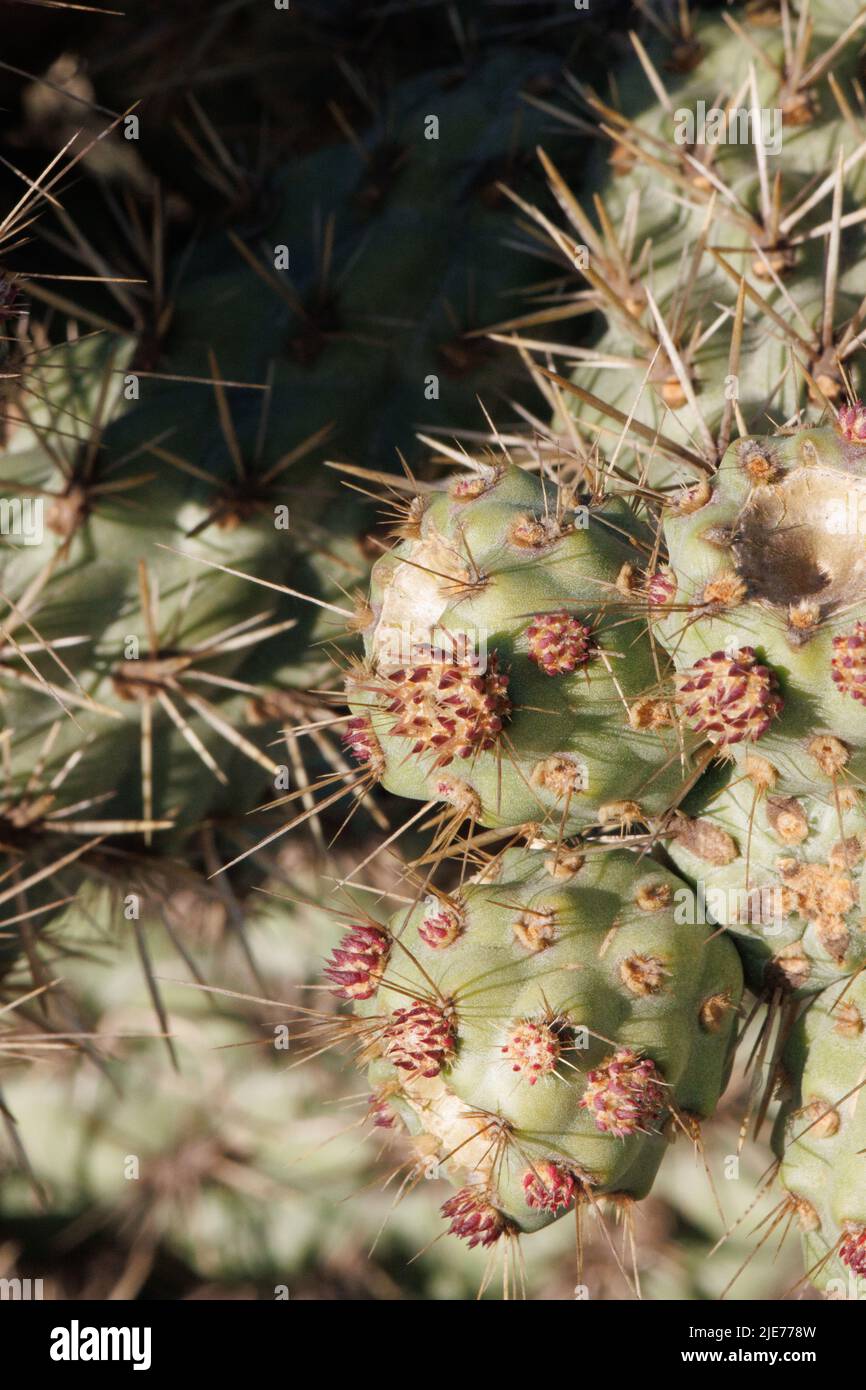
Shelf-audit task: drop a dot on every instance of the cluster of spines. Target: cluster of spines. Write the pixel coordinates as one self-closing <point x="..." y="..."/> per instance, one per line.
<point x="625" y="1094"/>
<point x="474" y="1218"/>
<point x="730" y="697"/>
<point x="420" y="1038"/>
<point x="450" y="708"/>
<point x="359" y="962"/>
<point x="558" y="643"/>
<point x="848" y="662"/>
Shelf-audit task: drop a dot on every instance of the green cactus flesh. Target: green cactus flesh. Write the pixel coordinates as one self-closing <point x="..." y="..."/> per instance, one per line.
<point x="505" y="672"/>
<point x="767" y="625"/>
<point x="724" y="257"/>
<point x="821" y="1138"/>
<point x="159" y="607"/>
<point x="542" y="1032"/>
<point x="784" y="875"/>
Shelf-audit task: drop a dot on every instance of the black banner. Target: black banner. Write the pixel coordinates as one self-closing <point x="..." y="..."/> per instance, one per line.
<point x="63" y="1339"/>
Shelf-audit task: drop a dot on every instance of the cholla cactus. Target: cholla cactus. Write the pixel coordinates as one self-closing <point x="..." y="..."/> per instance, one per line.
<point x="544" y="1054"/>
<point x="509" y="671"/>
<point x="820" y="1139"/>
<point x="535" y="662"/>
<point x="723" y="259"/>
<point x="783" y="874"/>
<point x="158" y="603"/>
<point x="766" y="631"/>
<point x="715" y="206"/>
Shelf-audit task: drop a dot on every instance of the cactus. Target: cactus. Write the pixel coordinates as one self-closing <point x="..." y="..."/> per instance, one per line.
<point x="224" y="1167"/>
<point x="726" y="266"/>
<point x="820" y="1139"/>
<point x="169" y="480"/>
<point x="767" y="577"/>
<point x="505" y="674"/>
<point x="560" y="643"/>
<point x="729" y="278"/>
<point x="784" y="875"/>
<point x="542" y="1031"/>
<point x="708" y="261"/>
<point x="700" y="307"/>
<point x="254" y="1134"/>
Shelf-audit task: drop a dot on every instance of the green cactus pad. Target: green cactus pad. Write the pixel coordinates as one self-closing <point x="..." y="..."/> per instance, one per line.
<point x="544" y="1031"/>
<point x="506" y="673"/>
<point x="693" y="211"/>
<point x="821" y="1139"/>
<point x="784" y="874"/>
<point x="766" y="627"/>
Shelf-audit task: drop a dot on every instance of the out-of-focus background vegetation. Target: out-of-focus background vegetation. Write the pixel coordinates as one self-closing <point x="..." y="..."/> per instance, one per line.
<point x="226" y="1167"/>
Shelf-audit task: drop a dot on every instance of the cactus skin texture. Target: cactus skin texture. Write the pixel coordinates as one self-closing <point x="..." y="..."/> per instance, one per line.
<point x="771" y="652"/>
<point x="785" y="875"/>
<point x="504" y="671"/>
<point x="546" y="1054"/>
<point x="133" y="529"/>
<point x="820" y="1138"/>
<point x="685" y="222"/>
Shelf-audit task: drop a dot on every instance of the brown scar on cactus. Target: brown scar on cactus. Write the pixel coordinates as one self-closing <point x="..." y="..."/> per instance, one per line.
<point x="707" y="841"/>
<point x="822" y="895"/>
<point x="809" y="562"/>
